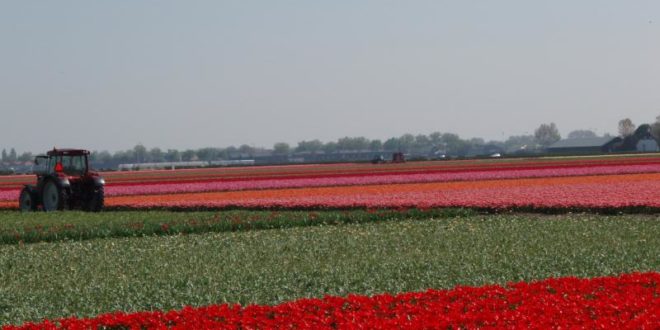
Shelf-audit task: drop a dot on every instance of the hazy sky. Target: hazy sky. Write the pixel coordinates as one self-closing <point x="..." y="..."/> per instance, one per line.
<point x="190" y="74"/>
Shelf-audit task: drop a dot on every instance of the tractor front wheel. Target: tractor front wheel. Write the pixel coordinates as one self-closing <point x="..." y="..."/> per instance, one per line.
<point x="27" y="200"/>
<point x="54" y="198"/>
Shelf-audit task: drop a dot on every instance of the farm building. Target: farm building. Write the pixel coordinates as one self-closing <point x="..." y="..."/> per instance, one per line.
<point x="584" y="145"/>
<point x="647" y="145"/>
<point x="641" y="141"/>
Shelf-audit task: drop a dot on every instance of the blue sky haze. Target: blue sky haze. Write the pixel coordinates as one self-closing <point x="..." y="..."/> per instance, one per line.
<point x="190" y="74"/>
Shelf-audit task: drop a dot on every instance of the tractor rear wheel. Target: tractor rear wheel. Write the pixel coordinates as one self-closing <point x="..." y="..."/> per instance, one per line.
<point x="27" y="200"/>
<point x="96" y="201"/>
<point x="54" y="198"/>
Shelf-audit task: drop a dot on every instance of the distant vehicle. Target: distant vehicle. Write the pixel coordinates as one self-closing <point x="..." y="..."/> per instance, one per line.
<point x="378" y="160"/>
<point x="496" y="155"/>
<point x="439" y="156"/>
<point x="64" y="181"/>
<point x="397" y="157"/>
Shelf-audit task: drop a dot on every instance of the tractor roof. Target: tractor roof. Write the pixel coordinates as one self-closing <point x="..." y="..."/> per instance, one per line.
<point x="67" y="152"/>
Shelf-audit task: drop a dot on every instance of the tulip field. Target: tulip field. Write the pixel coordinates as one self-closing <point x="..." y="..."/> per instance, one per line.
<point x="566" y="183"/>
<point x="564" y="242"/>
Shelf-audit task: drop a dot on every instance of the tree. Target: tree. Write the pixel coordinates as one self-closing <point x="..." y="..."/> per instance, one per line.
<point x="626" y="127"/>
<point x="245" y="149"/>
<point x="436" y="138"/>
<point x="189" y="155"/>
<point x="104" y="157"/>
<point x="208" y="154"/>
<point x="232" y="152"/>
<point x="547" y="134"/>
<point x="156" y="155"/>
<point x="140" y="153"/>
<point x="477" y="141"/>
<point x="453" y="144"/>
<point x="582" y="134"/>
<point x="655" y="129"/>
<point x="450" y="138"/>
<point x="281" y="148"/>
<point x="123" y="157"/>
<point x="314" y="146"/>
<point x="458" y="147"/>
<point x="309" y="146"/>
<point x="406" y="142"/>
<point x="172" y="155"/>
<point x="25" y="157"/>
<point x="12" y="155"/>
<point x="422" y="142"/>
<point x="376" y="145"/>
<point x="361" y="143"/>
<point x="644" y="131"/>
<point x="330" y="147"/>
<point x="391" y="144"/>
<point x="520" y="143"/>
<point x="345" y="143"/>
<point x="355" y="143"/>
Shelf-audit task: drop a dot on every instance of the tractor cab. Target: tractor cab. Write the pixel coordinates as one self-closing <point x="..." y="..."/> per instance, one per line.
<point x="64" y="162"/>
<point x="64" y="181"/>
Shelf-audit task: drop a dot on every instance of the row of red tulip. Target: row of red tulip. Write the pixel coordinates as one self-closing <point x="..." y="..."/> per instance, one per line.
<point x="321" y="181"/>
<point x="613" y="191"/>
<point x="186" y="187"/>
<point x="629" y="301"/>
<point x="593" y="192"/>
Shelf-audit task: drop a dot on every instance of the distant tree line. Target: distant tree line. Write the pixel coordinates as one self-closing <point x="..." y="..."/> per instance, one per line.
<point x="420" y="144"/>
<point x="12" y="156"/>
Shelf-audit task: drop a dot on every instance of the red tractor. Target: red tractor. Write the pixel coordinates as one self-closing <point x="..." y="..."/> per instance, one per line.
<point x="64" y="182"/>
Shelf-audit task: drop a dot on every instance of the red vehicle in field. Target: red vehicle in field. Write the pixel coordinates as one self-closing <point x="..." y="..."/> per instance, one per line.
<point x="64" y="182"/>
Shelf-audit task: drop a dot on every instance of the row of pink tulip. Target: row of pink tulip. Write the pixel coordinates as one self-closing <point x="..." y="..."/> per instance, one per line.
<point x="142" y="189"/>
<point x="202" y="186"/>
<point x="617" y="191"/>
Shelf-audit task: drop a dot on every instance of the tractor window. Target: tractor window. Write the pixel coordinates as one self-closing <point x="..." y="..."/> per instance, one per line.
<point x="52" y="161"/>
<point x="74" y="165"/>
